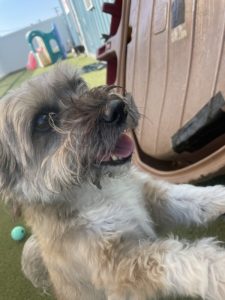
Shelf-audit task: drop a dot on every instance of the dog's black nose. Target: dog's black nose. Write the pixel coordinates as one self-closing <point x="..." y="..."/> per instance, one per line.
<point x="114" y="112"/>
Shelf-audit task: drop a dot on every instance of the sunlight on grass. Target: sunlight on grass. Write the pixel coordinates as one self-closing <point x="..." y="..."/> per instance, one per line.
<point x="16" y="79"/>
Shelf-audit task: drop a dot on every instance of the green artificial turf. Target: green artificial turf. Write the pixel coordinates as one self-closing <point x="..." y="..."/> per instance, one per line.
<point x="93" y="78"/>
<point x="13" y="285"/>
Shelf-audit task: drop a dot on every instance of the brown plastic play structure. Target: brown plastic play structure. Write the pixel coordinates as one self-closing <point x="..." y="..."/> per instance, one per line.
<point x="170" y="55"/>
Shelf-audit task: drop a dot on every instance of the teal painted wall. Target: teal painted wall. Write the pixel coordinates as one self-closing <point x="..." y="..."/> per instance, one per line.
<point x="87" y="26"/>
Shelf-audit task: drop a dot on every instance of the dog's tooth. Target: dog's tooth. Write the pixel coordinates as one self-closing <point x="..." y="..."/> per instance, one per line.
<point x="114" y="157"/>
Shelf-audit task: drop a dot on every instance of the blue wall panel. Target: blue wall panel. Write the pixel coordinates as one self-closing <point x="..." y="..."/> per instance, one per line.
<point x="87" y="26"/>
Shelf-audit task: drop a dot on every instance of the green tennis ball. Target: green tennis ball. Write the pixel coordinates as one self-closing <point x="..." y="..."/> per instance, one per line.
<point x="18" y="233"/>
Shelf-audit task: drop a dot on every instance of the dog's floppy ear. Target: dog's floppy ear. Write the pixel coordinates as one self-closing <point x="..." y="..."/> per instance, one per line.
<point x="8" y="178"/>
<point x="9" y="170"/>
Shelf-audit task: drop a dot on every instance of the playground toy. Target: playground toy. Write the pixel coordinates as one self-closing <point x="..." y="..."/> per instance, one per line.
<point x="45" y="53"/>
<point x="31" y="61"/>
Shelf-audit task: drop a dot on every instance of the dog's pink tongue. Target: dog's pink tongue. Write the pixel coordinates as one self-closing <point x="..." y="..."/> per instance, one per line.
<point x="124" y="146"/>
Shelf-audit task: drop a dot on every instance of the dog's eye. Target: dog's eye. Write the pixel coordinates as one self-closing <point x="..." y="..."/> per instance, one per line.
<point x="44" y="122"/>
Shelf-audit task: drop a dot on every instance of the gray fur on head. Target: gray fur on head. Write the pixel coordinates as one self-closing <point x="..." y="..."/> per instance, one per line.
<point x="37" y="165"/>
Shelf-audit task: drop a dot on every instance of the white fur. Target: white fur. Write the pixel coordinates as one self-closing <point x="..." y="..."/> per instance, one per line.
<point x="191" y="269"/>
<point x="118" y="206"/>
<point x="129" y="206"/>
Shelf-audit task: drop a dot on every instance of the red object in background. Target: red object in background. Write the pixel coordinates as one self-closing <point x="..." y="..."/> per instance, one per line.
<point x="114" y="9"/>
<point x="31" y="62"/>
<point x="111" y="51"/>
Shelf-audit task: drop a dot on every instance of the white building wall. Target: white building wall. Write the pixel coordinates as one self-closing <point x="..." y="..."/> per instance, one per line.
<point x="14" y="48"/>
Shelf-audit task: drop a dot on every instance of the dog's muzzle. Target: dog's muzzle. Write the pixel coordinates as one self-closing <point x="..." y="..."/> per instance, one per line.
<point x="115" y="112"/>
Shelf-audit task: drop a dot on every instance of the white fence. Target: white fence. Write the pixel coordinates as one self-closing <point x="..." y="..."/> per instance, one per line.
<point x="14" y="48"/>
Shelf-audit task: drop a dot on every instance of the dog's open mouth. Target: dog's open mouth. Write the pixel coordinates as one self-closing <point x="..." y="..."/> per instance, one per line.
<point x="121" y="153"/>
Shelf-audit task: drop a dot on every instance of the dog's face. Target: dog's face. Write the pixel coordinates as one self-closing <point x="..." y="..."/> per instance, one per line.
<point x="56" y="133"/>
